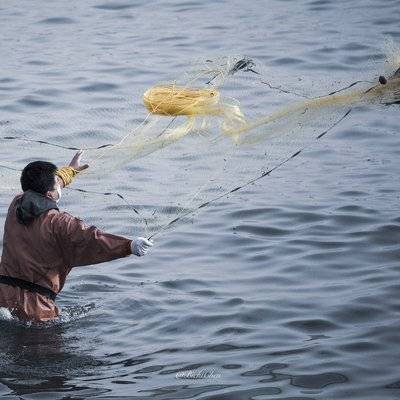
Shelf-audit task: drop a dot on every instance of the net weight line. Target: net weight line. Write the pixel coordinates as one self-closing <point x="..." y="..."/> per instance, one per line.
<point x="220" y="196"/>
<point x="23" y="139"/>
<point x="192" y="211"/>
<point x="250" y="182"/>
<point x="241" y="64"/>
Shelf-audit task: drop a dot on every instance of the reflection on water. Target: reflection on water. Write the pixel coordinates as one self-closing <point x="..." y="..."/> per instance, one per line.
<point x="46" y="358"/>
<point x="42" y="359"/>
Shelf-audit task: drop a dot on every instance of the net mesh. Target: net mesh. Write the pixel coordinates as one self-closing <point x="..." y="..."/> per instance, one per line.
<point x="203" y="136"/>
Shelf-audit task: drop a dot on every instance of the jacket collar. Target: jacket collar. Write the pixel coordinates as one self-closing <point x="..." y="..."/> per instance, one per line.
<point x="31" y="205"/>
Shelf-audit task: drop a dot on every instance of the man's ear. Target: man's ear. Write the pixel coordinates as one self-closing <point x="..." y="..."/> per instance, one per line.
<point x="49" y="195"/>
<point x="60" y="181"/>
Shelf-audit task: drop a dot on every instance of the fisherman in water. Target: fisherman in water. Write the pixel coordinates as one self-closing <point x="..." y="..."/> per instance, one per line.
<point x="42" y="244"/>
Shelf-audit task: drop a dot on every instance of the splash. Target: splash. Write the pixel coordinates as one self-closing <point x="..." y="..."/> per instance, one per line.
<point x="5" y="314"/>
<point x="68" y="314"/>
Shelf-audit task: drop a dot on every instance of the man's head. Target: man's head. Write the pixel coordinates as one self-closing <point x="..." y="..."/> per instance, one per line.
<point x="40" y="176"/>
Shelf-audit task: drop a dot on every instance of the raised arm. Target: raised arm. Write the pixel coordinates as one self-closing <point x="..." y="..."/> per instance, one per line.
<point x="65" y="175"/>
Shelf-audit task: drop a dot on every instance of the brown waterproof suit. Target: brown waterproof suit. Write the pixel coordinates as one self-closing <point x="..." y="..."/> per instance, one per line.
<point x="44" y="252"/>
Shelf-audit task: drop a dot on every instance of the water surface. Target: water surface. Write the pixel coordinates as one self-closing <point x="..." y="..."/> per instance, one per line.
<point x="286" y="290"/>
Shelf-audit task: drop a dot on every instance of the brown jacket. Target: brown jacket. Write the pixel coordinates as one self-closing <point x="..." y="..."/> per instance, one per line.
<point x="44" y="252"/>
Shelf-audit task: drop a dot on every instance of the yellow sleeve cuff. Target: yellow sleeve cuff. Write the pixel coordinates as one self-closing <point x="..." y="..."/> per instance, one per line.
<point x="66" y="174"/>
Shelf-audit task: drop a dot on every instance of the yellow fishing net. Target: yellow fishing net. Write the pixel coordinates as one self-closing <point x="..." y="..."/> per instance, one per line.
<point x="212" y="131"/>
<point x="172" y="100"/>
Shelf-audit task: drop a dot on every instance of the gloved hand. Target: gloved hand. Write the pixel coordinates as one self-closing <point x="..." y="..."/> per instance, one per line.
<point x="140" y="246"/>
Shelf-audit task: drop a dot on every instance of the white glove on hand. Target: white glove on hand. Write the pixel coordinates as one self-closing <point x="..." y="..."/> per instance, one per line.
<point x="140" y="246"/>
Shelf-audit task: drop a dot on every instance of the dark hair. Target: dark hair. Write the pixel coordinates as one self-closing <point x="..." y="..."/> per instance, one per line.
<point x="38" y="176"/>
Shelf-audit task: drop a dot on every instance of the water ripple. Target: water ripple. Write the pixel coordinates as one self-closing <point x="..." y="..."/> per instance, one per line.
<point x="287" y="290"/>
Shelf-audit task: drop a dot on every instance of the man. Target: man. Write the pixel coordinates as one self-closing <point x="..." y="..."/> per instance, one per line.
<point x="41" y="244"/>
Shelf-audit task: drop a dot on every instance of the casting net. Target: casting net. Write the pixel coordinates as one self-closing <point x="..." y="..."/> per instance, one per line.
<point x="188" y="143"/>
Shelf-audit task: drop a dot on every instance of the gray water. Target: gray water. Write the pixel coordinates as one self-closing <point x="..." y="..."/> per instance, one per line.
<point x="286" y="290"/>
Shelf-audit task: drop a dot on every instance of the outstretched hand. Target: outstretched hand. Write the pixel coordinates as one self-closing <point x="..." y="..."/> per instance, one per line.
<point x="76" y="162"/>
<point x="140" y="246"/>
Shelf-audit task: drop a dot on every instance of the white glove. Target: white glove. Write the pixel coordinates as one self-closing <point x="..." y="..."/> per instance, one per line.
<point x="140" y="246"/>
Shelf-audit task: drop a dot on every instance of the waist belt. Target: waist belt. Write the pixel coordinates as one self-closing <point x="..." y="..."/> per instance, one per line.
<point x="30" y="286"/>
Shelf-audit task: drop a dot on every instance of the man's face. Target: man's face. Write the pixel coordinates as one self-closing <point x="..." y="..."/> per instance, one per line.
<point x="55" y="193"/>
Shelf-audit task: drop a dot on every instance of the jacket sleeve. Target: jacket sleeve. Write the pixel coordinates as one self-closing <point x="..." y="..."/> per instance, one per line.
<point x="81" y="244"/>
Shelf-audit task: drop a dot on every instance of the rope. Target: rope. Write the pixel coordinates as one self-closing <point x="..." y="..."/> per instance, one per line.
<point x="250" y="182"/>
